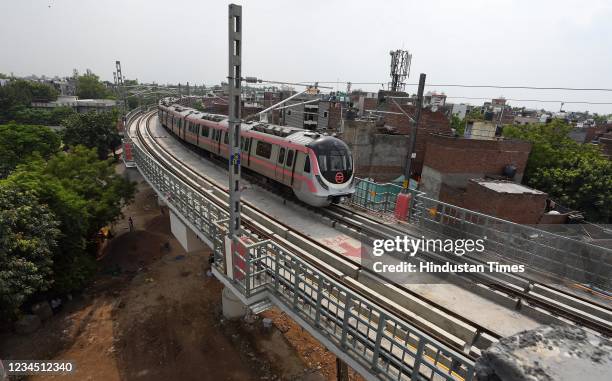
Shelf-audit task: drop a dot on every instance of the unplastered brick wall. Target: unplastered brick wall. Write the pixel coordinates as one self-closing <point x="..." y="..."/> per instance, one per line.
<point x="448" y="154"/>
<point x="522" y="208"/>
<point x="430" y="122"/>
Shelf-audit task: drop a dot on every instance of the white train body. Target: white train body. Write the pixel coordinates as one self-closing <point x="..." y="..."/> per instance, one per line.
<point x="318" y="168"/>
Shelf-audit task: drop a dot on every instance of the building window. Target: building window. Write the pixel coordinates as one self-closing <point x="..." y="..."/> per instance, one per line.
<point x="324" y="114"/>
<point x="288" y="112"/>
<point x="264" y="149"/>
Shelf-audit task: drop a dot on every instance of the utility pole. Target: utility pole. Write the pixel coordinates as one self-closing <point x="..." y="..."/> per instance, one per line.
<point x="234" y="80"/>
<point x="413" y="133"/>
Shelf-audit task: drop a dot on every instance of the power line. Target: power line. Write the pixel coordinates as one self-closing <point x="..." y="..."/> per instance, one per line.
<point x="480" y="86"/>
<point x="538" y="100"/>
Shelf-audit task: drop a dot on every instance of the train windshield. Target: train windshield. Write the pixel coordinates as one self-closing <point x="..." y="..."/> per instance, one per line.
<point x="334" y="159"/>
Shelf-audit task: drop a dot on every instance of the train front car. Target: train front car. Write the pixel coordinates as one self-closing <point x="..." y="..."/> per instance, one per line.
<point x="333" y="170"/>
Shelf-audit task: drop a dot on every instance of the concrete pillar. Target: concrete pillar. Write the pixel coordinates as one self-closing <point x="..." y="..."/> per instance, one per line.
<point x="187" y="238"/>
<point x="233" y="308"/>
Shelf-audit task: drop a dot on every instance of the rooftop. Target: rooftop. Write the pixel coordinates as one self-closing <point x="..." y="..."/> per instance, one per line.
<point x="507" y="187"/>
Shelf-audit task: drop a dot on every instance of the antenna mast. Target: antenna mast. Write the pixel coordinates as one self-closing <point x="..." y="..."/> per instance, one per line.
<point x="400" y="69"/>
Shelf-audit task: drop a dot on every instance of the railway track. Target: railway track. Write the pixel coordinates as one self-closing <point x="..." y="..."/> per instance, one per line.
<point x="472" y="336"/>
<point x="524" y="292"/>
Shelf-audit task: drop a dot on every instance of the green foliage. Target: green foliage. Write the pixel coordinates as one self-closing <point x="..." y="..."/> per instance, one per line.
<point x="51" y="117"/>
<point x="28" y="233"/>
<point x="576" y="175"/>
<point x="458" y="124"/>
<point x="93" y="130"/>
<point x="4" y="76"/>
<point x="474" y="115"/>
<point x="198" y="105"/>
<point x="133" y="102"/>
<point x="19" y="94"/>
<point x="85" y="194"/>
<point x="18" y="143"/>
<point x="90" y="87"/>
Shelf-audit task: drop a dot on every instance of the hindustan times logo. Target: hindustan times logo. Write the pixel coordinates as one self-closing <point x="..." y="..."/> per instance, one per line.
<point x="412" y="246"/>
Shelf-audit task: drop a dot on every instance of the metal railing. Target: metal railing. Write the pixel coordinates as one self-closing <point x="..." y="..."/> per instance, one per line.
<point x="560" y="256"/>
<point x="384" y="344"/>
<point x="379" y="197"/>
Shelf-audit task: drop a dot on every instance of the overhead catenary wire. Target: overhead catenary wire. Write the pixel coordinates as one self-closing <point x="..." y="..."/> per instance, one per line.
<point x="535" y="100"/>
<point x="383" y="83"/>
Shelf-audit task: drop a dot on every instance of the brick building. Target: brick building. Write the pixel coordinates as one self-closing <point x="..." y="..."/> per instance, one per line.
<point x="450" y="162"/>
<point x="378" y="156"/>
<point x="430" y="123"/>
<point x="502" y="199"/>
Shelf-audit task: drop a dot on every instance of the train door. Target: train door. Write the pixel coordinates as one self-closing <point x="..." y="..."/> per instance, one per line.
<point x="248" y="143"/>
<point x="218" y="141"/>
<point x="280" y="164"/>
<point x="184" y="123"/>
<point x="289" y="166"/>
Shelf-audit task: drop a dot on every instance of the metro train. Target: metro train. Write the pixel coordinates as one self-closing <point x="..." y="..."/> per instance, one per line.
<point x="318" y="168"/>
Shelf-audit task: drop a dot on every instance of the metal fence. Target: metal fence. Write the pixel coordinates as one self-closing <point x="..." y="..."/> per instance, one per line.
<point x="389" y="347"/>
<point x="378" y="197"/>
<point x="563" y="257"/>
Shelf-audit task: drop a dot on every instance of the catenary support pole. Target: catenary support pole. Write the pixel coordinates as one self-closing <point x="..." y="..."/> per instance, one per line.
<point x="413" y="133"/>
<point x="234" y="86"/>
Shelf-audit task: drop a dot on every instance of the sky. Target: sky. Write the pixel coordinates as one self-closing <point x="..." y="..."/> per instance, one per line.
<point x="557" y="43"/>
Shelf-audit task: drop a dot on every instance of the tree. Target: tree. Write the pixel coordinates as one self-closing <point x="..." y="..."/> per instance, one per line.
<point x="458" y="124"/>
<point x="576" y="175"/>
<point x="19" y="94"/>
<point x="85" y="194"/>
<point x="28" y="233"/>
<point x="93" y="130"/>
<point x="133" y="102"/>
<point x="474" y="115"/>
<point x="90" y="87"/>
<point x="18" y="143"/>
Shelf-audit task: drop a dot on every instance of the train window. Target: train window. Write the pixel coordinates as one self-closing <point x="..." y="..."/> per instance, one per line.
<point x="242" y="143"/>
<point x="205" y="131"/>
<point x="307" y="165"/>
<point x="281" y="156"/>
<point x="323" y="163"/>
<point x="264" y="149"/>
<point x="248" y="145"/>
<point x="226" y="137"/>
<point x="335" y="162"/>
<point x="290" y="158"/>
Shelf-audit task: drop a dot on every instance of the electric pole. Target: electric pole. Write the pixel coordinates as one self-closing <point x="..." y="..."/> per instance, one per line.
<point x="413" y="133"/>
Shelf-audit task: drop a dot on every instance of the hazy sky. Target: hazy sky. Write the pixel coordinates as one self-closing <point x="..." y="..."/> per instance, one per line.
<point x="505" y="42"/>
